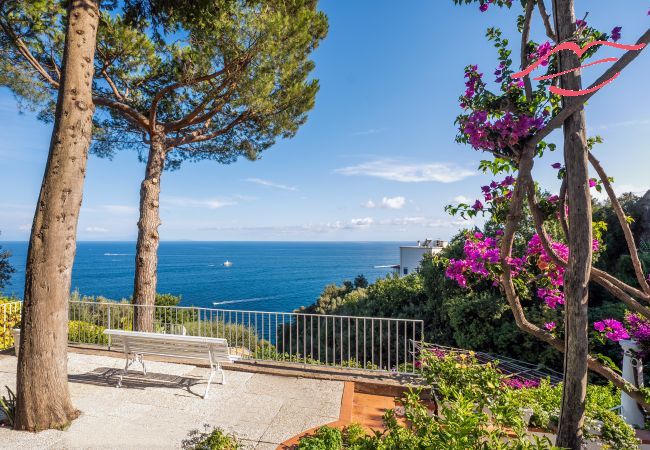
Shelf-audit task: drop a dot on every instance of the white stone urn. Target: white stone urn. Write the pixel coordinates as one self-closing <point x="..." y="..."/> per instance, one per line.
<point x="16" y="333"/>
<point x="632" y="373"/>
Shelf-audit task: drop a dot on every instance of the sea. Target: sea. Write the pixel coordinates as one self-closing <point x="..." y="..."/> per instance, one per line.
<point x="264" y="276"/>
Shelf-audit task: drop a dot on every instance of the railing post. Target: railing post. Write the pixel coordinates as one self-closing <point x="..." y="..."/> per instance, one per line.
<point x="109" y="324"/>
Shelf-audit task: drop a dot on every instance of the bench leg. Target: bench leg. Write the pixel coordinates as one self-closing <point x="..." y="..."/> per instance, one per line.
<point x="129" y="361"/>
<point x="214" y="368"/>
<point x="124" y="371"/>
<point x="207" y="388"/>
<point x="140" y="359"/>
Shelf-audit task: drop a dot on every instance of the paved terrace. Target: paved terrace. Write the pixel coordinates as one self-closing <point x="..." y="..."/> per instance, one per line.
<point x="160" y="410"/>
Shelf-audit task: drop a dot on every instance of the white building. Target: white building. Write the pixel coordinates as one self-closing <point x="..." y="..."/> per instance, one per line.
<point x="410" y="256"/>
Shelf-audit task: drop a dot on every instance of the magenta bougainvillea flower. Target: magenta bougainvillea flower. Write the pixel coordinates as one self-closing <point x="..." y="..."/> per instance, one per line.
<point x="612" y="329"/>
<point x="556" y="165"/>
<point x="581" y="23"/>
<point x="520" y="383"/>
<point x="616" y="33"/>
<point x="550" y="326"/>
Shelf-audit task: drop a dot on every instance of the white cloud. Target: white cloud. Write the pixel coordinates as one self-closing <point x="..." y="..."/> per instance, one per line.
<point x="96" y="230"/>
<point x="393" y="202"/>
<point x="25" y="227"/>
<point x="425" y="222"/>
<point x="397" y="202"/>
<point x="271" y="184"/>
<point x="393" y="170"/>
<point x="461" y="199"/>
<point x="364" y="222"/>
<point x="185" y="202"/>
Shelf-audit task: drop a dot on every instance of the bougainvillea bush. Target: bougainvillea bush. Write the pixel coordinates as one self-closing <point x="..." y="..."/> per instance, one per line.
<point x="509" y="117"/>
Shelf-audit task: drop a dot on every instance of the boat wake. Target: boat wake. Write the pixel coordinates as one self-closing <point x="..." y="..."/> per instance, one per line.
<point x="117" y="254"/>
<point x="245" y="300"/>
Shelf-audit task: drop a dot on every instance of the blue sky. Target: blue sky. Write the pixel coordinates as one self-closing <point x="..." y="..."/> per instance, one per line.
<point x="377" y="158"/>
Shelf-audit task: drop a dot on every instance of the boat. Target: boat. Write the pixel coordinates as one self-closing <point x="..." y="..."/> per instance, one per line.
<point x="227" y="263"/>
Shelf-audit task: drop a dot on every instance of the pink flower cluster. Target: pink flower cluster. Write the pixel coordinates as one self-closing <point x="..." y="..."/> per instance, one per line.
<point x="519" y="383"/>
<point x="639" y="327"/>
<point x="551" y="293"/>
<point x="486" y="3"/>
<point x="474" y="82"/>
<point x="482" y="257"/>
<point x="496" y="191"/>
<point x="613" y="329"/>
<point x="541" y="53"/>
<point x="502" y="133"/>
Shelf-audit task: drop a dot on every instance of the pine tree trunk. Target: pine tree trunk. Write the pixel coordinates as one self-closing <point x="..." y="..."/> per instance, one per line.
<point x="146" y="258"/>
<point x="576" y="277"/>
<point x="42" y="374"/>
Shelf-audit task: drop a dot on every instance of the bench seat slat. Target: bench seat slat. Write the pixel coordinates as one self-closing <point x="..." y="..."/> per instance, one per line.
<point x="191" y="347"/>
<point x="175" y="347"/>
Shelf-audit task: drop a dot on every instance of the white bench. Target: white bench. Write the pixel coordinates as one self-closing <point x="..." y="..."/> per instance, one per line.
<point x="137" y="344"/>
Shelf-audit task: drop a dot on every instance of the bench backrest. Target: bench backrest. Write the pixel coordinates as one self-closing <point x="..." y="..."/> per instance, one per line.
<point x="190" y="347"/>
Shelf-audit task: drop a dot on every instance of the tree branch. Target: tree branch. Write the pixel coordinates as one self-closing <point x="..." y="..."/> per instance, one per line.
<point x="113" y="86"/>
<point x="512" y="221"/>
<point x="525" y="36"/>
<point x="562" y="209"/>
<point x="546" y="19"/>
<point x="619" y="65"/>
<point x="625" y="226"/>
<point x="172" y="87"/>
<point x="601" y="277"/>
<point x="23" y="50"/>
<point x="130" y="113"/>
<point x="194" y="117"/>
<point x="195" y="136"/>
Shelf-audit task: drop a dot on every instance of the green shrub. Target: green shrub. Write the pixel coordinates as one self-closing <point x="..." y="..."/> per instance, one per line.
<point x="237" y="335"/>
<point x="215" y="439"/>
<point x="325" y="438"/>
<point x="86" y="333"/>
<point x="458" y="378"/>
<point x="460" y="426"/>
<point x="9" y="319"/>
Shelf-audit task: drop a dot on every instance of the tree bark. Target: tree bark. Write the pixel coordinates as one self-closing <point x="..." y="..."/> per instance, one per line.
<point x="146" y="258"/>
<point x="42" y="374"/>
<point x="576" y="276"/>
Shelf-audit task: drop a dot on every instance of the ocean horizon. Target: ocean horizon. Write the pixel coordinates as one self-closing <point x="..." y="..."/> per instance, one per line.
<point x="264" y="275"/>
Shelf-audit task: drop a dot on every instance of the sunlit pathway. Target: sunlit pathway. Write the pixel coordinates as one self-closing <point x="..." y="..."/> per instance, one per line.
<point x="160" y="410"/>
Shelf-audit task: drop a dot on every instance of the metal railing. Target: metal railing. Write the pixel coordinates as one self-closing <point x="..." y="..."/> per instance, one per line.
<point x="9" y="319"/>
<point x="508" y="366"/>
<point x="342" y="341"/>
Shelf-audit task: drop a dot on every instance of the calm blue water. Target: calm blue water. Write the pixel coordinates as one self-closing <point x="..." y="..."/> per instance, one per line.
<point x="265" y="276"/>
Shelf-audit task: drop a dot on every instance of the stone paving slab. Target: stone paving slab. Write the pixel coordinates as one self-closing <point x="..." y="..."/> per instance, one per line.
<point x="158" y="411"/>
